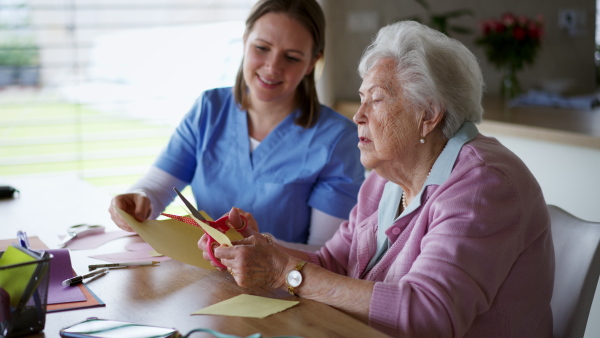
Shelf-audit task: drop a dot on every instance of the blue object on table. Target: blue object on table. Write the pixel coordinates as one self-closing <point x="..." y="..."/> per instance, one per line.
<point x="23" y="240"/>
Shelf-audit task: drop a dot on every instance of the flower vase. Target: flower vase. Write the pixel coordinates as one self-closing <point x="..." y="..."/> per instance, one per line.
<point x="510" y="87"/>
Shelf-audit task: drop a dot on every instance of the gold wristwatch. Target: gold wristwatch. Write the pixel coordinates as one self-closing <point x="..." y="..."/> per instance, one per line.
<point x="294" y="278"/>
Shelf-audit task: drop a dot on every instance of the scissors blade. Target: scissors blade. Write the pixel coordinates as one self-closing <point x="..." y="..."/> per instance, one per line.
<point x="189" y="205"/>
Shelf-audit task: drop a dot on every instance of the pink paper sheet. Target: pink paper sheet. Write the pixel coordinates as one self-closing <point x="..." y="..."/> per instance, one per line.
<point x="137" y="252"/>
<point x="94" y="241"/>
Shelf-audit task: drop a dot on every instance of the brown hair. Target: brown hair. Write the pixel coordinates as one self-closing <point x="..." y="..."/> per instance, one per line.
<point x="310" y="14"/>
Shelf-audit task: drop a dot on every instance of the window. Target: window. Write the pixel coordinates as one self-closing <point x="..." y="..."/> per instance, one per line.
<point x="95" y="88"/>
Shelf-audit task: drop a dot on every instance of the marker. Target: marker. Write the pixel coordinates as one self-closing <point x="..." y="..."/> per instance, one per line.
<point x="78" y="279"/>
<point x="121" y="265"/>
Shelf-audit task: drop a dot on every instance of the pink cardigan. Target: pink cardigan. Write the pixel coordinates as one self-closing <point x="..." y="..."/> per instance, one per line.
<point x="475" y="259"/>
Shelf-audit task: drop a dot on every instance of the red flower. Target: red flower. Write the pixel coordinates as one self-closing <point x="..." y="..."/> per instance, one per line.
<point x="486" y="27"/>
<point x="499" y="27"/>
<point x="511" y="41"/>
<point x="508" y="19"/>
<point x="519" y="33"/>
<point x="534" y="31"/>
<point x="523" y="20"/>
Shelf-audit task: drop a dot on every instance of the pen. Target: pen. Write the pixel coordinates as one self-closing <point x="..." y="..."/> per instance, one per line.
<point x="96" y="276"/>
<point x="120" y="265"/>
<point x="78" y="279"/>
<point x="23" y="240"/>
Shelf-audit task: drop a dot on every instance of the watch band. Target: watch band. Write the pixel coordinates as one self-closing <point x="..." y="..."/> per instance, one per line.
<point x="298" y="268"/>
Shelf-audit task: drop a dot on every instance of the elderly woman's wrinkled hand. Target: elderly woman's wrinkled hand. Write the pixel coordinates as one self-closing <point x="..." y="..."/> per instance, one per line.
<point x="254" y="262"/>
<point x="235" y="222"/>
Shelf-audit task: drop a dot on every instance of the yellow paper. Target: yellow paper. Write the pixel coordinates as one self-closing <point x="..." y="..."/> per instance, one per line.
<point x="205" y="215"/>
<point x="218" y="236"/>
<point x="214" y="233"/>
<point x="247" y="306"/>
<point x="15" y="280"/>
<point x="173" y="238"/>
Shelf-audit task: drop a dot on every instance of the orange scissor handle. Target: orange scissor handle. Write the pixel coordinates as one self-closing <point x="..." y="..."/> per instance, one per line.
<point x="220" y="224"/>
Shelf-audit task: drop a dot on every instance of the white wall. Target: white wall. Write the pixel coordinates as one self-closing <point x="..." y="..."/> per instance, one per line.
<point x="563" y="58"/>
<point x="569" y="175"/>
<point x="570" y="178"/>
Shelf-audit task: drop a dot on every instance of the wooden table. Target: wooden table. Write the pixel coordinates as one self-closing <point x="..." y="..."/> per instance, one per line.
<point x="163" y="295"/>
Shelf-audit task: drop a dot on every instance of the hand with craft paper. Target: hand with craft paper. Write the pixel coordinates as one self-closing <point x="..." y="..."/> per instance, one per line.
<point x="136" y="204"/>
<point x="237" y="220"/>
<point x="255" y="262"/>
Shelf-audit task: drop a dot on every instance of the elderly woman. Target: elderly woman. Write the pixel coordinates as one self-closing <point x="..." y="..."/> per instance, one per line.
<point x="450" y="236"/>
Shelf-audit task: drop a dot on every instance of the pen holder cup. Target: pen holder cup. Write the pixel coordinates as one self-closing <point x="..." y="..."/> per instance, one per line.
<point x="23" y="297"/>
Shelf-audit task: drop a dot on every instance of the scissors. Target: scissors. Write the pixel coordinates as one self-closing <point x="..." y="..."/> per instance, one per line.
<point x="81" y="230"/>
<point x="220" y="224"/>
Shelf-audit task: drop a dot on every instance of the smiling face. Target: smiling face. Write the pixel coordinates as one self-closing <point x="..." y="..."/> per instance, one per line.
<point x="388" y="131"/>
<point x="277" y="55"/>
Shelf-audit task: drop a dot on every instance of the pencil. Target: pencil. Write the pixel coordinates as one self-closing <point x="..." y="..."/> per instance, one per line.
<point x="121" y="265"/>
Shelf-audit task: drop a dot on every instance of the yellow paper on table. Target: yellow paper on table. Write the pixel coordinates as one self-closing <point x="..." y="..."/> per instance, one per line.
<point x="247" y="306"/>
<point x="173" y="238"/>
<point x="15" y="280"/>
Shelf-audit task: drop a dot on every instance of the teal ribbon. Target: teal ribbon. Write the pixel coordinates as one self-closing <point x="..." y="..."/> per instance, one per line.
<point x="224" y="335"/>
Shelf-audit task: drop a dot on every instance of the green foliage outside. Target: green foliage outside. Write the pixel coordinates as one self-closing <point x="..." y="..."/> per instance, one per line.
<point x="42" y="134"/>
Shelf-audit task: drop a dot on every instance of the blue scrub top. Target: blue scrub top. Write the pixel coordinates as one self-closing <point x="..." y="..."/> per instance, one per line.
<point x="293" y="170"/>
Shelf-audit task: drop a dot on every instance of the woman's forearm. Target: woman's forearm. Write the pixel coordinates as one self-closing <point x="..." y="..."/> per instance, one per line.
<point x="349" y="295"/>
<point x="158" y="185"/>
<point x="292" y="250"/>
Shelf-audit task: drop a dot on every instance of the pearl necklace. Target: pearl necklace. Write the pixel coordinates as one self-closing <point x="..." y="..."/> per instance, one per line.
<point x="404" y="204"/>
<point x="403" y="199"/>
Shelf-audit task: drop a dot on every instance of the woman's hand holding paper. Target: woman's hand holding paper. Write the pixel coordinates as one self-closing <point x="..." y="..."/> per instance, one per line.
<point x="236" y="221"/>
<point x="136" y="204"/>
<point x="253" y="261"/>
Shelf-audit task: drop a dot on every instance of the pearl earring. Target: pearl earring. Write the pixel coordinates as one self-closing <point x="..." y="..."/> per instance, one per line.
<point x="422" y="140"/>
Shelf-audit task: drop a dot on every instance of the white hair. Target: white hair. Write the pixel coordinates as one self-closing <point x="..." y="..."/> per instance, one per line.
<point x="433" y="70"/>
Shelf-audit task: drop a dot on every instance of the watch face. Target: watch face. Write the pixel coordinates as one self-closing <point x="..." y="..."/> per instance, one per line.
<point x="294" y="278"/>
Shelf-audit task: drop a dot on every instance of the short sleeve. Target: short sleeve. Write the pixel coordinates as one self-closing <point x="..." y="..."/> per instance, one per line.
<point x="338" y="184"/>
<point x="179" y="156"/>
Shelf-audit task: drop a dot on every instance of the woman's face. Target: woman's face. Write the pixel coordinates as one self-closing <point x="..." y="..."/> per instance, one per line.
<point x="387" y="130"/>
<point x="277" y="55"/>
